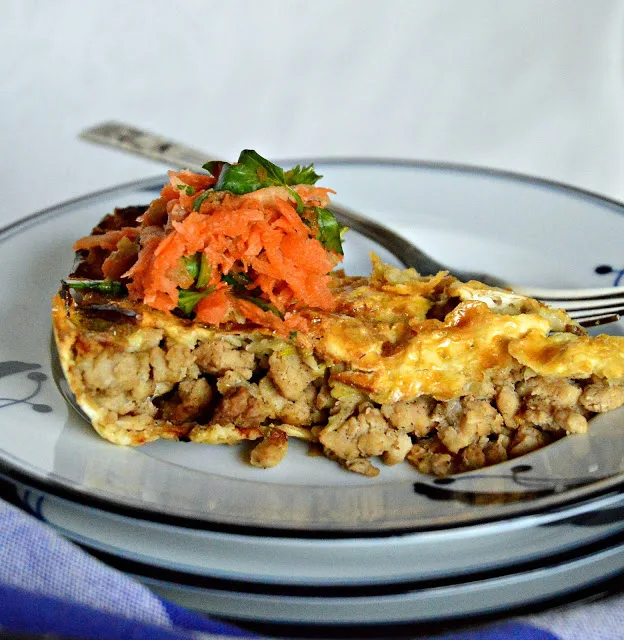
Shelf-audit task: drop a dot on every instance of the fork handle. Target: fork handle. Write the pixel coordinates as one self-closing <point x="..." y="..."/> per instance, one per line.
<point x="148" y="145"/>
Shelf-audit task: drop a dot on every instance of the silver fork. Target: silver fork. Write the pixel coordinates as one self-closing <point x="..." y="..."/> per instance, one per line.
<point x="589" y="307"/>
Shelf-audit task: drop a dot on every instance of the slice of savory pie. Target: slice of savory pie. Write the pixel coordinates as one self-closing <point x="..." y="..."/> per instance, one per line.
<point x="215" y="315"/>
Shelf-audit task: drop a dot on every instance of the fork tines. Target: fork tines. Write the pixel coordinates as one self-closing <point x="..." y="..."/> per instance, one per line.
<point x="589" y="307"/>
<point x="597" y="320"/>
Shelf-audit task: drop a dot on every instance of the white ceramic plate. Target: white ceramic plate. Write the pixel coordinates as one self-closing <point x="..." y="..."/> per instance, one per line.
<point x="367" y="564"/>
<point x="556" y="582"/>
<point x="528" y="231"/>
<point x="433" y="604"/>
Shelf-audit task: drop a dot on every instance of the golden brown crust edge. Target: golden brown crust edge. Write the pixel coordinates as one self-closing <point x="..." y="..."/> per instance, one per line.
<point x="128" y="430"/>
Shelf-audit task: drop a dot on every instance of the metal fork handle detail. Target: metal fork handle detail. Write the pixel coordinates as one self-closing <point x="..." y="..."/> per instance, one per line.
<point x="148" y="145"/>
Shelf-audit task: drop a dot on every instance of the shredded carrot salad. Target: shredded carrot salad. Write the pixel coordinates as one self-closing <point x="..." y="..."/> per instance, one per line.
<point x="221" y="257"/>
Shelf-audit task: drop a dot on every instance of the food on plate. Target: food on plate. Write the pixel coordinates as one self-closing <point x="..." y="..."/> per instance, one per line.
<point x="216" y="314"/>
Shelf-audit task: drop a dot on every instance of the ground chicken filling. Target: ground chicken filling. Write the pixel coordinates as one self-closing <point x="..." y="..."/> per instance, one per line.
<point x="162" y="380"/>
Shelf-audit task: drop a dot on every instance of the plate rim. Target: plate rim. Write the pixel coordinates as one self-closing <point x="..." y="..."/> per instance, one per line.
<point x="38" y="506"/>
<point x="610" y="543"/>
<point x="65" y="490"/>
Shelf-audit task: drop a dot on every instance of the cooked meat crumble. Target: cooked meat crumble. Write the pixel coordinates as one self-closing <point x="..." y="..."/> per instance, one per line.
<point x="390" y="385"/>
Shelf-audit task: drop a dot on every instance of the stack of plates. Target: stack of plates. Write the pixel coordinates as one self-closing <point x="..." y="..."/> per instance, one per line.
<point x="308" y="543"/>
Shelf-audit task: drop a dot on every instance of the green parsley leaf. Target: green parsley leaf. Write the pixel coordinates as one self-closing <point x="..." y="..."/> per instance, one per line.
<point x="187" y="188"/>
<point x="267" y="172"/>
<point x="187" y="299"/>
<point x="292" y="335"/>
<point x="239" y="179"/>
<point x="103" y="286"/>
<point x="330" y="232"/>
<point x="250" y="173"/>
<point x="302" y="175"/>
<point x="205" y="271"/>
<point x="253" y="172"/>
<point x="192" y="265"/>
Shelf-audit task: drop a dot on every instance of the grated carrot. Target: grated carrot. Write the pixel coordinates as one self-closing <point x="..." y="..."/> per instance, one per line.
<point x="257" y="240"/>
<point x="215" y="308"/>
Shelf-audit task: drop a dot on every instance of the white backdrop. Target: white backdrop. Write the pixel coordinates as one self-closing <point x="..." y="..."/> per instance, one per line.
<point x="534" y="86"/>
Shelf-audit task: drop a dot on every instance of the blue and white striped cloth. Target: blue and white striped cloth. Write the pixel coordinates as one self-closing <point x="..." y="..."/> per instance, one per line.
<point x="50" y="586"/>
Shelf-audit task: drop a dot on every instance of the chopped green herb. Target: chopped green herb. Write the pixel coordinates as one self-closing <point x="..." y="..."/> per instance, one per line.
<point x="331" y="232"/>
<point x="297" y="198"/>
<point x="302" y="175"/>
<point x="253" y="172"/>
<point x="192" y="265"/>
<point x="292" y="335"/>
<point x="103" y="286"/>
<point x="265" y="169"/>
<point x="265" y="306"/>
<point x="239" y="179"/>
<point x="186" y="188"/>
<point x="205" y="271"/>
<point x="187" y="299"/>
<point x="238" y="281"/>
<point x="197" y="203"/>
